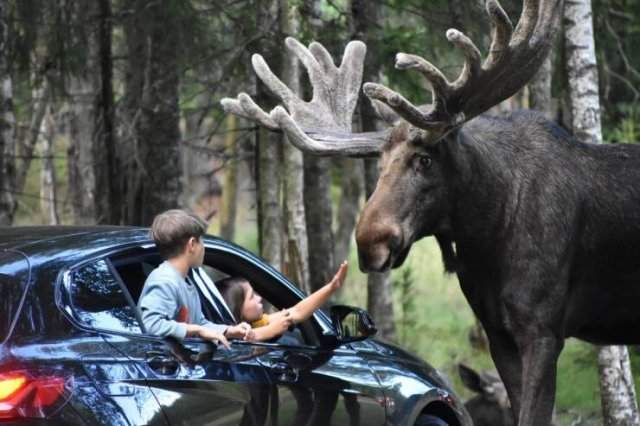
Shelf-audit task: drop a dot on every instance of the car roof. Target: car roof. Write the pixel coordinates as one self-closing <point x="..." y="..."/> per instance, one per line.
<point x="47" y="242"/>
<point x="18" y="236"/>
<point x="71" y="244"/>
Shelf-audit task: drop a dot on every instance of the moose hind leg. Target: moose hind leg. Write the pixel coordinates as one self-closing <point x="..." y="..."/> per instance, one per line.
<point x="539" y="359"/>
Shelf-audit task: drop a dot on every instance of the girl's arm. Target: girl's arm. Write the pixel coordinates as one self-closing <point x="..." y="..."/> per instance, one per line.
<point x="305" y="308"/>
<point x="276" y="327"/>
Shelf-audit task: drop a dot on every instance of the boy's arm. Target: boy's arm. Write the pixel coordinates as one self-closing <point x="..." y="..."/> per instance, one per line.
<point x="305" y="308"/>
<point x="158" y="305"/>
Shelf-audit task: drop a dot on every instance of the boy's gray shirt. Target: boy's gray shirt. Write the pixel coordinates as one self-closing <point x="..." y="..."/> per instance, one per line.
<point x="167" y="303"/>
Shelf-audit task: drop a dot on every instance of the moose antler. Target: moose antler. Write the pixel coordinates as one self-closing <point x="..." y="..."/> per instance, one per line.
<point x="322" y="125"/>
<point x="514" y="57"/>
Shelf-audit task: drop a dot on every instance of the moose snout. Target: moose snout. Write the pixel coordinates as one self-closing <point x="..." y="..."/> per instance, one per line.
<point x="378" y="242"/>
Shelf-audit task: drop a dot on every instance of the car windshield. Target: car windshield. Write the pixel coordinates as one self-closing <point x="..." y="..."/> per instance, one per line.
<point x="14" y="275"/>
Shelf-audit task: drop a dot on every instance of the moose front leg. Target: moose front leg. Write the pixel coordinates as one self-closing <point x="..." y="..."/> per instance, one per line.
<point x="539" y="356"/>
<point x="506" y="358"/>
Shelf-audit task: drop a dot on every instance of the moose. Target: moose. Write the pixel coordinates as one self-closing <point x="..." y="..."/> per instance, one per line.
<point x="541" y="230"/>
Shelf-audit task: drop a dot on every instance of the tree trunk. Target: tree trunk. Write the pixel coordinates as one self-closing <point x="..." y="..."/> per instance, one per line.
<point x="153" y="181"/>
<point x="319" y="212"/>
<point x="619" y="405"/>
<point x="80" y="160"/>
<point x="379" y="288"/>
<point x="540" y="89"/>
<point x="48" y="189"/>
<point x="7" y="124"/>
<point x="40" y="94"/>
<point x="82" y="87"/>
<point x="230" y="188"/>
<point x="317" y="195"/>
<point x="617" y="389"/>
<point x="129" y="157"/>
<point x="582" y="71"/>
<point x="296" y="250"/>
<point x="352" y="174"/>
<point x="268" y="147"/>
<point x="108" y="194"/>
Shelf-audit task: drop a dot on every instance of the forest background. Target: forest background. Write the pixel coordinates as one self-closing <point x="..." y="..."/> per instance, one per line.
<point x="110" y="114"/>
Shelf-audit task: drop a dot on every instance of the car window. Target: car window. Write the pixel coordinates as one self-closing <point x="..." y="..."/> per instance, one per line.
<point x="99" y="301"/>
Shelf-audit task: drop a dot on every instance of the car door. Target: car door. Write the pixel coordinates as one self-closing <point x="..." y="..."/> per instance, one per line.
<point x="116" y="392"/>
<point x="198" y="383"/>
<point x="315" y="383"/>
<point x="190" y="382"/>
<point x="324" y="386"/>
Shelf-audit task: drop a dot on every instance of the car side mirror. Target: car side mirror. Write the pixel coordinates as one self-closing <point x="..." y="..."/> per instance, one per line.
<point x="352" y="323"/>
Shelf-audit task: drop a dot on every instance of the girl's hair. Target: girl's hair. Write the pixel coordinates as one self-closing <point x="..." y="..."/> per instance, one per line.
<point x="233" y="293"/>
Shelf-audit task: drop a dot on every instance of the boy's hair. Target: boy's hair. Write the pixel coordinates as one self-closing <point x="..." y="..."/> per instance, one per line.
<point x="233" y="293"/>
<point x="172" y="230"/>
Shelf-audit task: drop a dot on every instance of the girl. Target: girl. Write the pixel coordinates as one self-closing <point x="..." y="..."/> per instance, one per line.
<point x="246" y="305"/>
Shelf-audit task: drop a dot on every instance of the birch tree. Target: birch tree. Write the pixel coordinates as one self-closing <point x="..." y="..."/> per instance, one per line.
<point x="82" y="88"/>
<point x="48" y="186"/>
<point x="619" y="406"/>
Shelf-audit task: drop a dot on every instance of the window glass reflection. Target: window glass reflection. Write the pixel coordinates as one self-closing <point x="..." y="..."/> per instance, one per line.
<point x="98" y="300"/>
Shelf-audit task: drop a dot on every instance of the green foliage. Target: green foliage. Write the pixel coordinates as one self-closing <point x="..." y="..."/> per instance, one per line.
<point x="627" y="129"/>
<point x="405" y="307"/>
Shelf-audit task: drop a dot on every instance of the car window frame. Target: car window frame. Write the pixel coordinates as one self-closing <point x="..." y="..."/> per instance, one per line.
<point x="319" y="316"/>
<point x="64" y="303"/>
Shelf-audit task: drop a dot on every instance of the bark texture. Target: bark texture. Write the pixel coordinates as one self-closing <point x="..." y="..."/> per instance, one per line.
<point x="317" y="197"/>
<point x="540" y="90"/>
<point x="230" y="188"/>
<point x="48" y="187"/>
<point x="153" y="179"/>
<point x="582" y="70"/>
<point x="268" y="146"/>
<point x="7" y="124"/>
<point x="352" y="173"/>
<point x="379" y="287"/>
<point x="296" y="250"/>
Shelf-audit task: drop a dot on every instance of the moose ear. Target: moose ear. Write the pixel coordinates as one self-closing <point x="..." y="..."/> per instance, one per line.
<point x="470" y="378"/>
<point x="385" y="113"/>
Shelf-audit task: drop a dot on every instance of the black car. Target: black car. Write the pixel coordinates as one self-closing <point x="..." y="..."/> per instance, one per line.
<point x="73" y="349"/>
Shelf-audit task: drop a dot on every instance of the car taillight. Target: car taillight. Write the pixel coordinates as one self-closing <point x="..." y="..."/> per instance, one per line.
<point x="26" y="395"/>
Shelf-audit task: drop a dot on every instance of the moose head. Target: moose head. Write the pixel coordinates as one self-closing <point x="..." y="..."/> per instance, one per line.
<point x="414" y="194"/>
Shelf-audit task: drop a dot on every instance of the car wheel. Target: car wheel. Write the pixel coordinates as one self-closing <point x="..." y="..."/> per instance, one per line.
<point x="430" y="420"/>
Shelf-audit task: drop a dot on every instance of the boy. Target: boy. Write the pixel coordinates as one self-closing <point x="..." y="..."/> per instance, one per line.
<point x="169" y="304"/>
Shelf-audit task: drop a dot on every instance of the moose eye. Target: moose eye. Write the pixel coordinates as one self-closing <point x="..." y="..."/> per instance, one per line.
<point x="424" y="161"/>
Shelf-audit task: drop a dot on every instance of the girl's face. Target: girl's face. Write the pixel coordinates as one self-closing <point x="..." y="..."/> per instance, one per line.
<point x="252" y="305"/>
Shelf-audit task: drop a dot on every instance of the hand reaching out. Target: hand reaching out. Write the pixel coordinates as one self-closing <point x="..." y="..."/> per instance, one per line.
<point x="338" y="279"/>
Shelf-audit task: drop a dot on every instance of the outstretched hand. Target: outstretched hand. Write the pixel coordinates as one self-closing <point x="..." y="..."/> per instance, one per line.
<point x="338" y="279"/>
